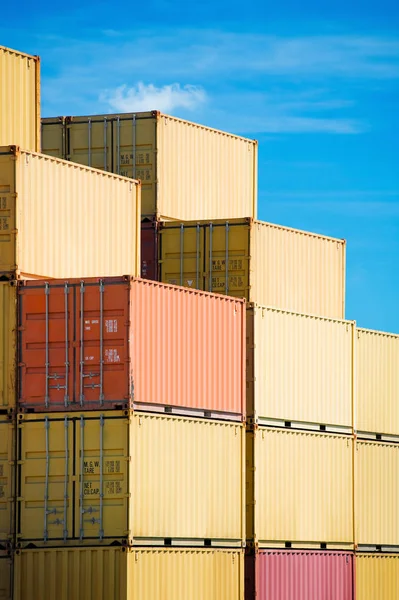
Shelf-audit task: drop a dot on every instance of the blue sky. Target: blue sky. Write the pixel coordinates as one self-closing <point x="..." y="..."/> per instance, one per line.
<point x="316" y="83"/>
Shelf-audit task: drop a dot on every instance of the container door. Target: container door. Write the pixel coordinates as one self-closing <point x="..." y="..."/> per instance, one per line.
<point x="6" y="480"/>
<point x="102" y="458"/>
<point x="5" y="577"/>
<point x="54" y="136"/>
<point x="8" y="218"/>
<point x="134" y="155"/>
<point x="46" y="351"/>
<point x="182" y="255"/>
<point x="227" y="259"/>
<point x="8" y="344"/>
<point x="149" y="250"/>
<point x="45" y="480"/>
<point x="102" y="353"/>
<point x="89" y="142"/>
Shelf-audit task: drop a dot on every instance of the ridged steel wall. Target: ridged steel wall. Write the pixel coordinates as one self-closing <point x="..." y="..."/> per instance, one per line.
<point x="122" y="574"/>
<point x="59" y="219"/>
<point x="7" y="481"/>
<point x="377" y="576"/>
<point x="302" y="489"/>
<point x="8" y="345"/>
<point x="146" y="478"/>
<point x="299" y="368"/>
<point x="377" y="369"/>
<point x="19" y="99"/>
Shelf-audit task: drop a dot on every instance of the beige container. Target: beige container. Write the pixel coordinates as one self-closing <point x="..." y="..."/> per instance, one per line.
<point x="187" y="171"/>
<point x="59" y="219"/>
<point x="377" y="366"/>
<point x="299" y="369"/>
<point x="267" y="264"/>
<point x="376" y="494"/>
<point x="8" y="345"/>
<point x="5" y="576"/>
<point x="377" y="576"/>
<point x="19" y="99"/>
<point x="123" y="574"/>
<point x="7" y="480"/>
<point x="161" y="478"/>
<point x="299" y="489"/>
<point x="54" y="137"/>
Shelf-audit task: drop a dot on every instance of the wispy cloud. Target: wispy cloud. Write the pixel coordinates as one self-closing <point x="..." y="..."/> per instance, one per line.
<point x="143" y="97"/>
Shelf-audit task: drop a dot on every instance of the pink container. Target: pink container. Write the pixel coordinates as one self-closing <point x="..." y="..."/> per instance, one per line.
<point x="299" y="575"/>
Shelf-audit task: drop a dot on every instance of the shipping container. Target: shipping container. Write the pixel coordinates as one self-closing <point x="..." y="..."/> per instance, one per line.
<point x="377" y="367"/>
<point x="8" y="346"/>
<point x="162" y="348"/>
<point x="7" y="480"/>
<point x="149" y="249"/>
<point x="19" y="99"/>
<point x="264" y="263"/>
<point x="299" y="489"/>
<point x="376" y="494"/>
<point x="54" y="138"/>
<point x="299" y="575"/>
<point x="58" y="219"/>
<point x="129" y="478"/>
<point x="6" y="575"/>
<point x="377" y="576"/>
<point x="187" y="171"/>
<point x="129" y="574"/>
<point x="299" y="369"/>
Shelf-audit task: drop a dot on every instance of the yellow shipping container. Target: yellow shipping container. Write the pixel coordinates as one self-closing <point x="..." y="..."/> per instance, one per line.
<point x="376" y="494"/>
<point x="54" y="137"/>
<point x="299" y="369"/>
<point x="129" y="574"/>
<point x="377" y="367"/>
<point x="58" y="219"/>
<point x="299" y="489"/>
<point x="133" y="478"/>
<point x="377" y="576"/>
<point x="264" y="263"/>
<point x="5" y="576"/>
<point x="7" y="479"/>
<point x="19" y="99"/>
<point x="188" y="171"/>
<point x="8" y="345"/>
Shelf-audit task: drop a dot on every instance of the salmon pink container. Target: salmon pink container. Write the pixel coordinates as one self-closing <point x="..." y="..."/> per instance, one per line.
<point x="126" y="342"/>
<point x="299" y="575"/>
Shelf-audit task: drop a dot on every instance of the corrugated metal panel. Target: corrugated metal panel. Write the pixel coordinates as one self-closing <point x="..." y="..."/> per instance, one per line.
<point x="149" y="250"/>
<point x="19" y="99"/>
<point x="263" y="263"/>
<point x="120" y="574"/>
<point x="376" y="493"/>
<point x="54" y="139"/>
<point x="187" y="171"/>
<point x="5" y="576"/>
<point x="302" y="368"/>
<point x="377" y="577"/>
<point x="7" y="456"/>
<point x="295" y="575"/>
<point x="162" y="346"/>
<point x="8" y="344"/>
<point x="45" y="228"/>
<point x="298" y="271"/>
<point x="377" y="382"/>
<point x="303" y="487"/>
<point x="161" y="477"/>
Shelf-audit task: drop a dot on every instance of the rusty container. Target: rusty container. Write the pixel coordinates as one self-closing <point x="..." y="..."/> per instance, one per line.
<point x="130" y="343"/>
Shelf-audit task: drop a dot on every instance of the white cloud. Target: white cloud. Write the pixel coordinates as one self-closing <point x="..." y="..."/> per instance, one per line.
<point x="143" y="97"/>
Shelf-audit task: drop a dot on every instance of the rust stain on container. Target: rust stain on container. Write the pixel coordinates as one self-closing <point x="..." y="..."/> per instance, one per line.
<point x="162" y="347"/>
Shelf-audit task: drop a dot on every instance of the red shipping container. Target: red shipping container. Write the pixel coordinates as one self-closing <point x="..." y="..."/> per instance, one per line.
<point x="130" y="343"/>
<point x="299" y="575"/>
<point x="149" y="250"/>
